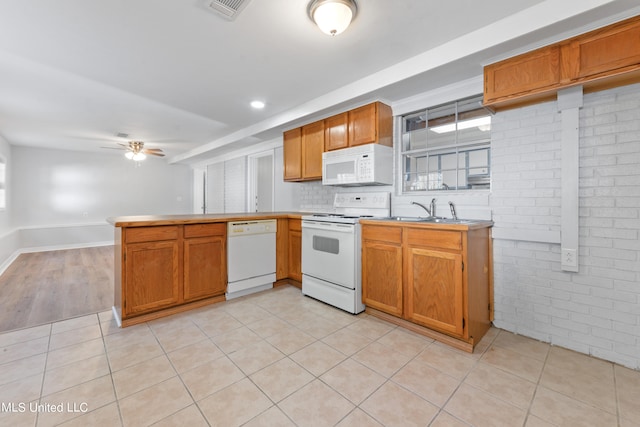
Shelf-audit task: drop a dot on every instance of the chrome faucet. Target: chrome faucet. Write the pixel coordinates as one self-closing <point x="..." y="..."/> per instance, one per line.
<point x="431" y="210"/>
<point x="453" y="210"/>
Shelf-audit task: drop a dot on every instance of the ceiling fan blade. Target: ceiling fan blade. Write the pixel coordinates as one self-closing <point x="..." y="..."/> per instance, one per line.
<point x="157" y="150"/>
<point x="152" y="153"/>
<point x="114" y="148"/>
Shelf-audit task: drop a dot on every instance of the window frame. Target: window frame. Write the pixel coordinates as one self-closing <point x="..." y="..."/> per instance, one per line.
<point x="425" y="181"/>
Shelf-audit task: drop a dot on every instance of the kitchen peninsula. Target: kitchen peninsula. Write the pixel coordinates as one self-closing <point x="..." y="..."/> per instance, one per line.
<point x="167" y="264"/>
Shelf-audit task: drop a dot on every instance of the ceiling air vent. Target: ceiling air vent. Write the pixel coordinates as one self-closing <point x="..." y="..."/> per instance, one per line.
<point x="228" y="9"/>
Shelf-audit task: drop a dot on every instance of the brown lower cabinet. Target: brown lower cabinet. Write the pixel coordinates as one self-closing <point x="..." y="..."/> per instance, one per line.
<point x="202" y="244"/>
<point x="289" y="252"/>
<point x="295" y="249"/>
<point x="434" y="281"/>
<point x="168" y="267"/>
<point x="382" y="268"/>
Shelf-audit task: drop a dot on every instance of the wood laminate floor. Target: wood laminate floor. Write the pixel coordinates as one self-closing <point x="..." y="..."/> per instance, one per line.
<point x="44" y="287"/>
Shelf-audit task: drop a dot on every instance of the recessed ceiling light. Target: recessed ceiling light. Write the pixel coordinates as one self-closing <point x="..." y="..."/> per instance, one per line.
<point x="258" y="105"/>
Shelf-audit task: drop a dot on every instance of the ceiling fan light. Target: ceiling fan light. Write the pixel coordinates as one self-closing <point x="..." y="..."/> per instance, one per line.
<point x="129" y="155"/>
<point x="332" y="16"/>
<point x="139" y="157"/>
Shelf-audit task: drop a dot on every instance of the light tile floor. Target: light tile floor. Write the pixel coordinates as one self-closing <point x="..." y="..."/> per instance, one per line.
<point x="281" y="359"/>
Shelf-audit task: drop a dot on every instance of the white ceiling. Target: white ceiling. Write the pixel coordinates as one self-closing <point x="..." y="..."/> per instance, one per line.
<point x="172" y="73"/>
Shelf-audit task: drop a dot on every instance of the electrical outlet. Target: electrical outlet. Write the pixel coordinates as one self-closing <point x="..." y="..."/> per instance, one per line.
<point x="569" y="258"/>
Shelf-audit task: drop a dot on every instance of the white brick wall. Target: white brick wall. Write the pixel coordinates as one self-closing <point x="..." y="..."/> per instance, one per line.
<point x="314" y="197"/>
<point x="597" y="310"/>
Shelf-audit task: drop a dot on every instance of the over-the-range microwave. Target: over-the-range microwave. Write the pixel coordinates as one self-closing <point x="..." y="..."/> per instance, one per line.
<point x="369" y="164"/>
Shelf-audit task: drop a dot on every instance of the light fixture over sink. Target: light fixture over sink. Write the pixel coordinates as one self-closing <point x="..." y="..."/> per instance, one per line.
<point x="332" y="16"/>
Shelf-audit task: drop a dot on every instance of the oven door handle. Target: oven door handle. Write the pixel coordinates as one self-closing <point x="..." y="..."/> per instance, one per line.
<point x="320" y="225"/>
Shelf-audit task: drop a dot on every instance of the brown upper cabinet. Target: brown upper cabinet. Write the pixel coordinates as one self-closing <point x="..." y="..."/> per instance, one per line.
<point x="303" y="146"/>
<point x="336" y="132"/>
<point x="536" y="72"/>
<point x="303" y="149"/>
<point x="603" y="53"/>
<point x="292" y="147"/>
<point x="600" y="59"/>
<point x="371" y="123"/>
<point x="312" y="148"/>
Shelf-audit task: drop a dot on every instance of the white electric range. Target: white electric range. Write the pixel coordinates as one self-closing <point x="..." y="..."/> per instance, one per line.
<point x="331" y="249"/>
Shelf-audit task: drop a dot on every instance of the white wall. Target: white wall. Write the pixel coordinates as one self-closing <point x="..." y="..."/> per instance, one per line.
<point x="597" y="310"/>
<point x="5" y="214"/>
<point x="64" y="197"/>
<point x="286" y="194"/>
<point x="8" y="234"/>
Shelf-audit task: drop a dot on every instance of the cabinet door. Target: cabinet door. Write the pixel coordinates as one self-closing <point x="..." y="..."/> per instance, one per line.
<point x="205" y="267"/>
<point x="434" y="293"/>
<point x="295" y="250"/>
<point x="312" y="149"/>
<point x="363" y="125"/>
<point x="335" y="132"/>
<point x="282" y="249"/>
<point x="382" y="276"/>
<point x="604" y="52"/>
<point x="152" y="276"/>
<point x="528" y="73"/>
<point x="292" y="152"/>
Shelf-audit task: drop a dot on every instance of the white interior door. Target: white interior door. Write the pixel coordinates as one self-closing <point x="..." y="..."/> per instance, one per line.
<point x="261" y="182"/>
<point x="215" y="188"/>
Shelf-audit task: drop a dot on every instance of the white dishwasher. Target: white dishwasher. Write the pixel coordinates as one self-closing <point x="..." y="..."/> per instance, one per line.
<point x="251" y="256"/>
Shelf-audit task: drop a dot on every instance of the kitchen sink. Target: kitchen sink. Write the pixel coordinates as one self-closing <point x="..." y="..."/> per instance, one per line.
<point x="447" y="220"/>
<point x="404" y="218"/>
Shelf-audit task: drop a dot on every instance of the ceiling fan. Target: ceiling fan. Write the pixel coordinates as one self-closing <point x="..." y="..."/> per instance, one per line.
<point x="135" y="150"/>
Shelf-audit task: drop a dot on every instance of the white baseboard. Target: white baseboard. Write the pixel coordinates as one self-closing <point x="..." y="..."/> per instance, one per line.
<point x="63" y="247"/>
<point x="7" y="262"/>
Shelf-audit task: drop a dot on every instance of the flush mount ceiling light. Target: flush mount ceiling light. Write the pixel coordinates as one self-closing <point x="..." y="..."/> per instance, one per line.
<point x="258" y="105"/>
<point x="332" y="16"/>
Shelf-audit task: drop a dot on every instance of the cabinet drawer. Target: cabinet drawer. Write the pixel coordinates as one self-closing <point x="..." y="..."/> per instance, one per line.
<point x="202" y="230"/>
<point x="382" y="234"/>
<point x="435" y="239"/>
<point x="151" y="234"/>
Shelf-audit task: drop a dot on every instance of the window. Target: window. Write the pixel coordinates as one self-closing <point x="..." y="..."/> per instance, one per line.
<point x="3" y="184"/>
<point x="447" y="147"/>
